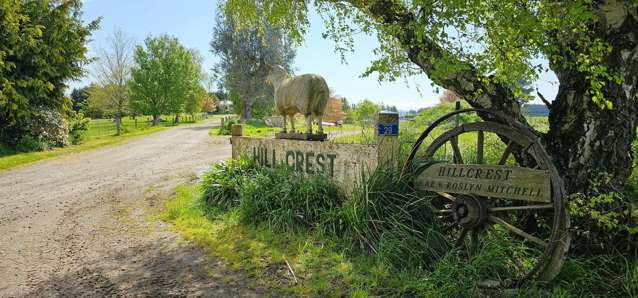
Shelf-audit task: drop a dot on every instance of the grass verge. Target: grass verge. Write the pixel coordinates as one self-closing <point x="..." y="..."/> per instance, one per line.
<point x="10" y="160"/>
<point x="269" y="257"/>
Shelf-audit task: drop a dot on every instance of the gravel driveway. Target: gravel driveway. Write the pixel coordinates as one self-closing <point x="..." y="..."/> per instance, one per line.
<point x="79" y="225"/>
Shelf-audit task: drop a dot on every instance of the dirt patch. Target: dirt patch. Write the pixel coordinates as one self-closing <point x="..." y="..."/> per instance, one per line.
<point x="79" y="226"/>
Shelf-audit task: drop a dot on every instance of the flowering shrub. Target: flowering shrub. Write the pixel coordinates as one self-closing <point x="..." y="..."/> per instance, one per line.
<point x="46" y="129"/>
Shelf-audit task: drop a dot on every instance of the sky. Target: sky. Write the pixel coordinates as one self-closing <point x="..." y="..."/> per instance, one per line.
<point x="192" y="23"/>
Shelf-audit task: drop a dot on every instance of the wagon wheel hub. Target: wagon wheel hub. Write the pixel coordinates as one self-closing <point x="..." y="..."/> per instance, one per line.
<point x="469" y="212"/>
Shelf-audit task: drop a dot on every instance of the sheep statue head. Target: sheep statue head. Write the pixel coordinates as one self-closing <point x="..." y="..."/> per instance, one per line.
<point x="306" y="94"/>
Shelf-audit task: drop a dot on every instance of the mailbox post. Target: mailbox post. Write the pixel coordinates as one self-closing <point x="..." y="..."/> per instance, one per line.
<point x="387" y="135"/>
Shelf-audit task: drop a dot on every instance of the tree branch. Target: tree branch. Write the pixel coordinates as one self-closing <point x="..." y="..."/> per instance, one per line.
<point x="478" y="90"/>
<point x="545" y="101"/>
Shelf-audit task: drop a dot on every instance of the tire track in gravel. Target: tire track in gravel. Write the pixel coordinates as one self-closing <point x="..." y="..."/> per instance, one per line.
<point x="78" y="226"/>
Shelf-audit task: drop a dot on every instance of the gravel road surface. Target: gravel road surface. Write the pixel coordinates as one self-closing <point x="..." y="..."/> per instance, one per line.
<point x="79" y="225"/>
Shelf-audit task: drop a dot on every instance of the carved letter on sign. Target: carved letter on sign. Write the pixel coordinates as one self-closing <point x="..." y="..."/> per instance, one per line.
<point x="487" y="180"/>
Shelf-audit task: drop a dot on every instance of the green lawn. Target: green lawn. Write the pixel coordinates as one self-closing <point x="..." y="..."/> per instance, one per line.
<point x="101" y="133"/>
<point x="257" y="129"/>
<point x="106" y="127"/>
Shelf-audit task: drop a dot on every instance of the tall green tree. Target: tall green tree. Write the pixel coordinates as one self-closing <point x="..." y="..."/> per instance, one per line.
<point x="113" y="71"/>
<point x="365" y="112"/>
<point x="165" y="78"/>
<point x="79" y="97"/>
<point x="197" y="94"/>
<point x="481" y="49"/>
<point x="42" y="47"/>
<point x="97" y="105"/>
<point x="244" y="54"/>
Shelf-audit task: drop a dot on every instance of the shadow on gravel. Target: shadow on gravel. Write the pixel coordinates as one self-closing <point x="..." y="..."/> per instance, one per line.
<point x="150" y="271"/>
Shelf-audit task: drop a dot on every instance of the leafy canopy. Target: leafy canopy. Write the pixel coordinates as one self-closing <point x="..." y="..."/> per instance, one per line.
<point x="365" y="111"/>
<point x="166" y="78"/>
<point x="42" y="47"/>
<point x="244" y="56"/>
<point x="453" y="35"/>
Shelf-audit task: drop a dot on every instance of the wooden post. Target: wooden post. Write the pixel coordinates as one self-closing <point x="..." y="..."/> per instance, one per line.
<point x="455" y="140"/>
<point x="387" y="135"/>
<point x="236" y="130"/>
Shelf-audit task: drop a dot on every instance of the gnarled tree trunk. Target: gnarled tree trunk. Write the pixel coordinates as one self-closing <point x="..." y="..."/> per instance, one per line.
<point x="584" y="139"/>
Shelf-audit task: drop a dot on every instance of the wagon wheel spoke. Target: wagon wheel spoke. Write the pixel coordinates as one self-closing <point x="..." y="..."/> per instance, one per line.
<point x="525" y="207"/>
<point x="459" y="242"/>
<point x="443" y="211"/>
<point x="479" y="146"/>
<point x="506" y="153"/>
<point x="515" y="230"/>
<point x="457" y="152"/>
<point x="447" y="196"/>
<point x="439" y="211"/>
<point x="473" y="241"/>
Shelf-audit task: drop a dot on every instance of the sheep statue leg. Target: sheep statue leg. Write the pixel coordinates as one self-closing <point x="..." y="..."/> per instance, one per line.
<point x="292" y="123"/>
<point x="309" y="124"/>
<point x="319" y="120"/>
<point x="284" y="127"/>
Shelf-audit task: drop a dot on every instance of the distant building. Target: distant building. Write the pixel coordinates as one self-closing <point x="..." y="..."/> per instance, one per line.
<point x="225" y="106"/>
<point x="334" y="111"/>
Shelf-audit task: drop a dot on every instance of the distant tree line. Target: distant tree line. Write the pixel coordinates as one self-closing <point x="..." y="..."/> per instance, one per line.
<point x="160" y="77"/>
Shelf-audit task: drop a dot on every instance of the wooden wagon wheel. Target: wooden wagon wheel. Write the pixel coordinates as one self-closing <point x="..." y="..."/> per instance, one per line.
<point x="539" y="225"/>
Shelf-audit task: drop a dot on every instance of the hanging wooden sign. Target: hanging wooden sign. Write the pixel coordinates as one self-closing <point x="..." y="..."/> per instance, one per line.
<point x="494" y="181"/>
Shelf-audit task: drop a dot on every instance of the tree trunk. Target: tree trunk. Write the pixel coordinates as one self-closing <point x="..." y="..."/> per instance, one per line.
<point x="591" y="146"/>
<point x="176" y="121"/>
<point x="118" y="124"/>
<point x="156" y="120"/>
<point x="246" y="112"/>
<point x="586" y="140"/>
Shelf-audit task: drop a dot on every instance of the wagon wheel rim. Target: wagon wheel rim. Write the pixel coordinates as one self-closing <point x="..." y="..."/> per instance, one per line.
<point x="486" y="215"/>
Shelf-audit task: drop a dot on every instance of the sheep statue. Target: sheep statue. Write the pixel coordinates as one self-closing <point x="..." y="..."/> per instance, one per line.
<point x="306" y="94"/>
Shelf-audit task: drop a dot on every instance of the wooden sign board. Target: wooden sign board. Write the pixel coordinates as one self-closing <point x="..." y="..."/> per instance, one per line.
<point x="505" y="182"/>
<point x="346" y="164"/>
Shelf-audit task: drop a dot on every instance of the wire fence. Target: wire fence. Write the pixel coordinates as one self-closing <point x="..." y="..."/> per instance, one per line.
<point x="106" y="127"/>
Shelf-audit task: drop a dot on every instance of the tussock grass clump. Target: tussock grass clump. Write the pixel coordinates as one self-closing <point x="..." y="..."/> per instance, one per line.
<point x="288" y="200"/>
<point x="285" y="199"/>
<point x="223" y="181"/>
<point x="386" y="217"/>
